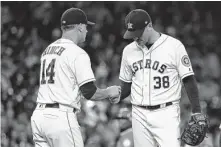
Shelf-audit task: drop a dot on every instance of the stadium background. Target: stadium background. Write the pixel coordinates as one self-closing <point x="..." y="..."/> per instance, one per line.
<point x="28" y="27"/>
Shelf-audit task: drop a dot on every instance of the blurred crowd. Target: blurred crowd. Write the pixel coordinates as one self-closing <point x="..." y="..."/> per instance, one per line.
<point x="28" y="27"/>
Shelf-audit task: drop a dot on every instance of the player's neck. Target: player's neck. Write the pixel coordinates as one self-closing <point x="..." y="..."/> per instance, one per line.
<point x="154" y="37"/>
<point x="70" y="37"/>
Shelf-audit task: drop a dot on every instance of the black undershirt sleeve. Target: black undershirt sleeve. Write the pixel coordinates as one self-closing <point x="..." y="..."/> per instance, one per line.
<point x="88" y="90"/>
<point x="190" y="85"/>
<point x="125" y="89"/>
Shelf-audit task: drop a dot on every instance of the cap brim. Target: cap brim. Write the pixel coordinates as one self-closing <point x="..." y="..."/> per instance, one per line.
<point x="133" y="34"/>
<point x="90" y="23"/>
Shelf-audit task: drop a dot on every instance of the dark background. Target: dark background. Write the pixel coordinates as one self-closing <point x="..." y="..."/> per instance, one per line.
<point x="28" y="27"/>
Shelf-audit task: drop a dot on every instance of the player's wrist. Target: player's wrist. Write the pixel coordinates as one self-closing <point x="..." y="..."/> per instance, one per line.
<point x="192" y="114"/>
<point x="196" y="110"/>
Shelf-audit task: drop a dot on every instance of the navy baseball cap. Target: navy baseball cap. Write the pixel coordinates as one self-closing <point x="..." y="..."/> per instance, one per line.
<point x="74" y="16"/>
<point x="135" y="22"/>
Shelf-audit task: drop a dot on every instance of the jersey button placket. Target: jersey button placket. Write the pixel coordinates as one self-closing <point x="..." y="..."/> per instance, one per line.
<point x="150" y="80"/>
<point x="146" y="89"/>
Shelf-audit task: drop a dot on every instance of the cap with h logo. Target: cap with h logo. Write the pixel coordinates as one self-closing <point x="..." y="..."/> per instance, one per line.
<point x="135" y="22"/>
<point x="74" y="16"/>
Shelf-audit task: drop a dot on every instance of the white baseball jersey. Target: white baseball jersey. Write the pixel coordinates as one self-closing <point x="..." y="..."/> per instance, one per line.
<point x="156" y="72"/>
<point x="64" y="68"/>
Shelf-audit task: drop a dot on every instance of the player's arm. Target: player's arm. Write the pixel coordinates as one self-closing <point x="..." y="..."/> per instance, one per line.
<point x="190" y="85"/>
<point x="125" y="76"/>
<point x="186" y="73"/>
<point x="91" y="92"/>
<point x="125" y="89"/>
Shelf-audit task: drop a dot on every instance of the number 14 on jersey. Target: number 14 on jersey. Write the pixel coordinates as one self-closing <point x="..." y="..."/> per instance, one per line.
<point x="47" y="72"/>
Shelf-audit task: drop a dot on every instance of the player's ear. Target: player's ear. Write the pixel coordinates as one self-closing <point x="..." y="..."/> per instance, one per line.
<point x="79" y="27"/>
<point x="149" y="26"/>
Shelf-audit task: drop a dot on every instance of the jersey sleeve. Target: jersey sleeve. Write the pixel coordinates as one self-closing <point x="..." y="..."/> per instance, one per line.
<point x="183" y="62"/>
<point x="83" y="70"/>
<point x="125" y="70"/>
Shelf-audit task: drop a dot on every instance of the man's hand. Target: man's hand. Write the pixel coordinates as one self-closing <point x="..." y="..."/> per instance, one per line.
<point x="114" y="93"/>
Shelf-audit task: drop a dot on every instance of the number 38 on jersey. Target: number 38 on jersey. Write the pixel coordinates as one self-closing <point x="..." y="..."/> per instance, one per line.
<point x="47" y="73"/>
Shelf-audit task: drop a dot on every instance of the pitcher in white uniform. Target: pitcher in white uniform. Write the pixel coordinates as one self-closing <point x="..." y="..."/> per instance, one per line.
<point x="65" y="77"/>
<point x="153" y="68"/>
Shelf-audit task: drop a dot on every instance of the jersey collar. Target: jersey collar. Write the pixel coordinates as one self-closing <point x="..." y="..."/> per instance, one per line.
<point x="159" y="41"/>
<point x="64" y="40"/>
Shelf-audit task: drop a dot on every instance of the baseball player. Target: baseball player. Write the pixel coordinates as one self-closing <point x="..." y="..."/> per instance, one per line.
<point x="65" y="77"/>
<point x="153" y="68"/>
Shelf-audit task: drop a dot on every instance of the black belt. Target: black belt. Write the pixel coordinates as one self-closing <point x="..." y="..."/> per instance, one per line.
<point x="156" y="106"/>
<point x="56" y="105"/>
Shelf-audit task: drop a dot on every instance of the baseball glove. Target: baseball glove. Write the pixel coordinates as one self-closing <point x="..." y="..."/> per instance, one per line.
<point x="196" y="130"/>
